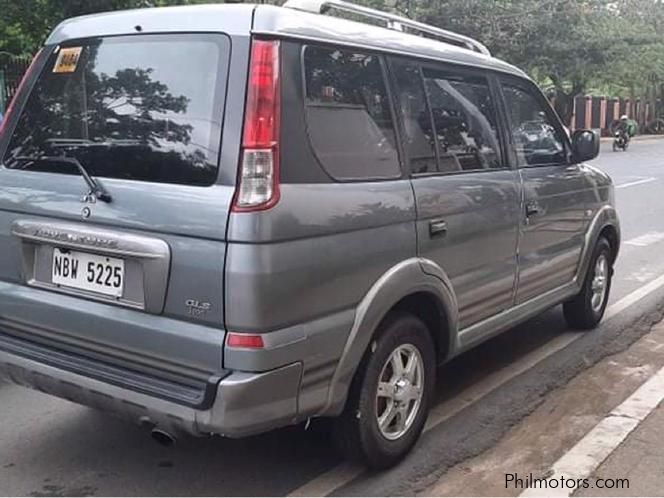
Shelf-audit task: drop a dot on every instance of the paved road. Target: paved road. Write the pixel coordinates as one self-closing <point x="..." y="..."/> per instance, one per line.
<point x="50" y="447"/>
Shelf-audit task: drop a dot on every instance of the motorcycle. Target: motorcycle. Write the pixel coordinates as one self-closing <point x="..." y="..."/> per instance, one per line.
<point x="620" y="141"/>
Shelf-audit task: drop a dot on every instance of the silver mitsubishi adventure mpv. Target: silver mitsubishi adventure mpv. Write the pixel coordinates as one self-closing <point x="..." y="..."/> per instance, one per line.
<point x="225" y="219"/>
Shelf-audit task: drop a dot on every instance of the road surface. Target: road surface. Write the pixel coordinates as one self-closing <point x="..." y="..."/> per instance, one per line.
<point x="50" y="447"/>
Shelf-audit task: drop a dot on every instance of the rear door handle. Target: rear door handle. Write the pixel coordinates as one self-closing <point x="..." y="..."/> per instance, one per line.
<point x="533" y="209"/>
<point x="437" y="227"/>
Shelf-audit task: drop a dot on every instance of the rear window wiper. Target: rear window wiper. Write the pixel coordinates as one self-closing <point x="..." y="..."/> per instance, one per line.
<point x="76" y="143"/>
<point x="96" y="188"/>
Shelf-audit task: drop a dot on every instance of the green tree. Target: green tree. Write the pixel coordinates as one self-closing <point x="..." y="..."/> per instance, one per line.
<point x="641" y="72"/>
<point x="563" y="44"/>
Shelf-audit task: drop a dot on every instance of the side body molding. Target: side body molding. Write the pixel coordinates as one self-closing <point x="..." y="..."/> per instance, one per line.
<point x="403" y="279"/>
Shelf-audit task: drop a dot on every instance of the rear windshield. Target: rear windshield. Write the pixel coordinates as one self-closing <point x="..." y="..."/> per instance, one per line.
<point x="141" y="107"/>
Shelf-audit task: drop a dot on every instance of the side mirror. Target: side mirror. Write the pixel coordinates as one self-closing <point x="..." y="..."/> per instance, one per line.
<point x="585" y="145"/>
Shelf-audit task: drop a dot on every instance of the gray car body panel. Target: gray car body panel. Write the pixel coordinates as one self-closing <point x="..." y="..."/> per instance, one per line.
<point x="551" y="242"/>
<point x="145" y="340"/>
<point x="228" y="19"/>
<point x="315" y="275"/>
<point x="481" y="211"/>
<point x="293" y="263"/>
<point x="298" y="273"/>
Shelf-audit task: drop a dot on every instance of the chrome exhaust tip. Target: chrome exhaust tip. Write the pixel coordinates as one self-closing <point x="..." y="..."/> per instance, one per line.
<point x="162" y="437"/>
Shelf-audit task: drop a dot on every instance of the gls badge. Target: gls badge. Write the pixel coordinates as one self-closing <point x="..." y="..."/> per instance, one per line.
<point x="196" y="307"/>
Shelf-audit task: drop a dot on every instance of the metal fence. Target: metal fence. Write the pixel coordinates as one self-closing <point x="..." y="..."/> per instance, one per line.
<point x="600" y="113"/>
<point x="12" y="69"/>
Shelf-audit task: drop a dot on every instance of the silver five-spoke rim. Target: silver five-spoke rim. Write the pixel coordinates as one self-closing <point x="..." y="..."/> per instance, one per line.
<point x="600" y="282"/>
<point x="400" y="389"/>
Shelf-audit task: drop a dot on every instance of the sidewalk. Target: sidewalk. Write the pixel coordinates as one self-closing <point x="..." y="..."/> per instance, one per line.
<point x="619" y="396"/>
<point x="640" y="458"/>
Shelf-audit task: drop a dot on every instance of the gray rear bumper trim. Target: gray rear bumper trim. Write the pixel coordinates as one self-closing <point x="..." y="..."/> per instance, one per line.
<point x="245" y="403"/>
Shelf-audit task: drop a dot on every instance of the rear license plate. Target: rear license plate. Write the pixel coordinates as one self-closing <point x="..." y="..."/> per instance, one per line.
<point x="89" y="272"/>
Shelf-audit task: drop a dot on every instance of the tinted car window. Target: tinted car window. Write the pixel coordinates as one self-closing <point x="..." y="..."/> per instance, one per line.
<point x="145" y="107"/>
<point x="535" y="138"/>
<point x="465" y="122"/>
<point x="348" y="114"/>
<point x="417" y="125"/>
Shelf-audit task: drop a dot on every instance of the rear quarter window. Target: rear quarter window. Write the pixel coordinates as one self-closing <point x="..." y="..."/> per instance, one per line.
<point x="139" y="107"/>
<point x="348" y="114"/>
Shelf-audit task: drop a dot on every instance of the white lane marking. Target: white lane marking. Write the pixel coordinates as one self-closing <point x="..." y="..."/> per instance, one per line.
<point x="344" y="473"/>
<point x="633" y="297"/>
<point x="637" y="182"/>
<point x="646" y="239"/>
<point x="589" y="453"/>
<point x="329" y="481"/>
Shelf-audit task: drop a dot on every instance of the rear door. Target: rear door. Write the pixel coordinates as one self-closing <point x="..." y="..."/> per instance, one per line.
<point x="142" y="116"/>
<point x="467" y="197"/>
<point x="554" y="190"/>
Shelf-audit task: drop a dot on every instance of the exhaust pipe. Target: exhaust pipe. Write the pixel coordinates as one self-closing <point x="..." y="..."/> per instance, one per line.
<point x="162" y="437"/>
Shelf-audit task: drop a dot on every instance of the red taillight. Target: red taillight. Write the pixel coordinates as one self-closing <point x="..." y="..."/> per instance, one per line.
<point x="262" y="112"/>
<point x="19" y="90"/>
<point x="249" y="341"/>
<point x="258" y="183"/>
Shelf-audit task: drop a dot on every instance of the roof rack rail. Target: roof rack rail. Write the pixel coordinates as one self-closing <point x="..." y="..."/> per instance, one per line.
<point x="392" y="21"/>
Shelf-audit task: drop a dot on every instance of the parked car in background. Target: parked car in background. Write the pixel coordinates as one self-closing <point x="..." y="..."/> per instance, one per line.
<point x="538" y="136"/>
<point x="225" y="219"/>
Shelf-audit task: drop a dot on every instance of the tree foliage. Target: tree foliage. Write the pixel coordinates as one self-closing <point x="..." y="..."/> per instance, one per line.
<point x="568" y="46"/>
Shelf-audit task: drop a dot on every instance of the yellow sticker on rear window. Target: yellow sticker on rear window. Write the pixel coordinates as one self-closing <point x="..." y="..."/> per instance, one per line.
<point x="67" y="60"/>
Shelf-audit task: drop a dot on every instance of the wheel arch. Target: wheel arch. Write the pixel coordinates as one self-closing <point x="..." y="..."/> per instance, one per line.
<point x="425" y="306"/>
<point x="610" y="233"/>
<point x="604" y="223"/>
<point x="406" y="287"/>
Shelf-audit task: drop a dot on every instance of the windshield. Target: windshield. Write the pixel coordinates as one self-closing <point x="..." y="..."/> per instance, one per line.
<point x="141" y="107"/>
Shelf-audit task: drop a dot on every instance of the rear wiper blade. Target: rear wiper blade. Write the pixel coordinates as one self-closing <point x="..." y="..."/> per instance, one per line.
<point x="96" y="188"/>
<point x="75" y="143"/>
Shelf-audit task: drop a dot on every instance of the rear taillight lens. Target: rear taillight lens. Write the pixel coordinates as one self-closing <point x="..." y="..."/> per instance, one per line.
<point x="246" y="341"/>
<point x="10" y="109"/>
<point x="258" y="182"/>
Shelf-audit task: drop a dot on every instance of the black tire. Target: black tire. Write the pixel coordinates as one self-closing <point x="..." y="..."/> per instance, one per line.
<point x="356" y="432"/>
<point x="579" y="311"/>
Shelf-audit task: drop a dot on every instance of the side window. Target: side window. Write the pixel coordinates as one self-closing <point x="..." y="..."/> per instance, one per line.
<point x="412" y="105"/>
<point x="348" y="114"/>
<point x="536" y="140"/>
<point x="464" y="118"/>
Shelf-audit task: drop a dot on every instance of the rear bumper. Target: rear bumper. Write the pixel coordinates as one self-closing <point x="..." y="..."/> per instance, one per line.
<point x="244" y="404"/>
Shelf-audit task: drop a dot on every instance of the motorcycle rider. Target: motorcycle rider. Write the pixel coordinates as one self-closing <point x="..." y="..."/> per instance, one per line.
<point x="625" y="128"/>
